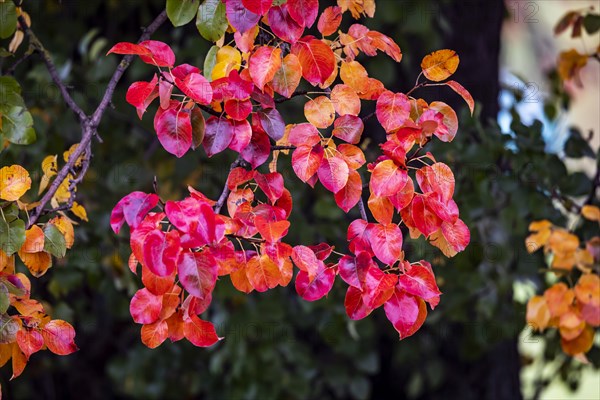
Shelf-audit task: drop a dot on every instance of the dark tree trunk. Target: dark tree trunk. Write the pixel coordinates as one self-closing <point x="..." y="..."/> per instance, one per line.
<point x="475" y="27"/>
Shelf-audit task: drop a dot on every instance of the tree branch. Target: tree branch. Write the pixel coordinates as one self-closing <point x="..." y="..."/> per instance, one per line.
<point x="225" y="193"/>
<point x="89" y="125"/>
<point x="39" y="48"/>
<point x="361" y="208"/>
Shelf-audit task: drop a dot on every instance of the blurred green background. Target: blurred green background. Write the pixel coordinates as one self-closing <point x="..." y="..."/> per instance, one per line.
<point x="506" y="160"/>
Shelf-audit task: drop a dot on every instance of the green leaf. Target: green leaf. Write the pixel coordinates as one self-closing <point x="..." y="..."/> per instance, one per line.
<point x="8" y="328"/>
<point x="180" y="12"/>
<point x="12" y="235"/>
<point x="5" y="53"/>
<point x="54" y="241"/>
<point x="209" y="62"/>
<point x="211" y="20"/>
<point x="577" y="147"/>
<point x="17" y="125"/>
<point x="591" y="22"/>
<point x="4" y="300"/>
<point x="8" y="19"/>
<point x="10" y="92"/>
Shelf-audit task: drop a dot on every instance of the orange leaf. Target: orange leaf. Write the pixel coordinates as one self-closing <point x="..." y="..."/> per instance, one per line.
<point x="345" y="100"/>
<point x="58" y="336"/>
<point x="559" y="298"/>
<point x="153" y="335"/>
<point x="440" y="65"/>
<point x="320" y="112"/>
<point x="34" y="240"/>
<point x="538" y="314"/>
<point x="464" y="93"/>
<point x="287" y="77"/>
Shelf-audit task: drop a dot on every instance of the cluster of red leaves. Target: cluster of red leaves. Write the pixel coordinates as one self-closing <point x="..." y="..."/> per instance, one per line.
<point x="186" y="245"/>
<point x="31" y="330"/>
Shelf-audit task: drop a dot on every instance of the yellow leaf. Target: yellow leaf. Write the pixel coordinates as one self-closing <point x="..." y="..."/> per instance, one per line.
<point x="591" y="212"/>
<point x="14" y="182"/>
<point x="228" y="58"/>
<point x="440" y="65"/>
<point x="50" y="165"/>
<point x="79" y="211"/>
<point x="67" y="155"/>
<point x="63" y="194"/>
<point x="66" y="228"/>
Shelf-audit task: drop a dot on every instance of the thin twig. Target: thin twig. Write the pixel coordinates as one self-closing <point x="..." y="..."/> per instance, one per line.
<point x="225" y="193"/>
<point x="89" y="125"/>
<point x="298" y="93"/>
<point x="361" y="208"/>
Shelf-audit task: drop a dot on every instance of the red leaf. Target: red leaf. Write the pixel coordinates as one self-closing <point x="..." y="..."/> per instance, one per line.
<point x="387" y="179"/>
<point x="262" y="273"/>
<point x="200" y="333"/>
<point x="378" y="287"/>
<point x="317" y="59"/>
<point x="161" y="251"/>
<point x="145" y="307"/>
<point x="160" y="55"/>
<point x="403" y="197"/>
<point x="239" y="16"/>
<point x="419" y="280"/>
<point x="392" y="110"/>
<point x="218" y="135"/>
<point x="238" y="110"/>
<point x="318" y="287"/>
<point x="304" y="134"/>
<point x="333" y="173"/>
<point x="304" y="12"/>
<point x="272" y="123"/>
<point x="258" y="151"/>
<point x="263" y="64"/>
<point x="141" y="94"/>
<point x="242" y="135"/>
<point x="464" y="93"/>
<point x="456" y="234"/>
<point x="321" y="250"/>
<point x="132" y="209"/>
<point x="29" y="341"/>
<point x="307" y="261"/>
<point x="351" y="193"/>
<point x="59" y="337"/>
<point x="196" y="87"/>
<point x="330" y="20"/>
<point x="386" y="242"/>
<point x="425" y="220"/>
<point x="353" y="270"/>
<point x="355" y="306"/>
<point x="183" y="70"/>
<point x="129" y="48"/>
<point x="174" y="129"/>
<point x="283" y="25"/>
<point x="271" y="184"/>
<point x="271" y="231"/>
<point x="406" y="312"/>
<point x="358" y="236"/>
<point x="197" y="273"/>
<point x="153" y="335"/>
<point x="239" y="176"/>
<point x="258" y="6"/>
<point x="349" y="128"/>
<point x="437" y="178"/>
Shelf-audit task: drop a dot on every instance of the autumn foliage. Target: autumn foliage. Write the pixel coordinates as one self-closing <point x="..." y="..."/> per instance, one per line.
<point x="182" y="248"/>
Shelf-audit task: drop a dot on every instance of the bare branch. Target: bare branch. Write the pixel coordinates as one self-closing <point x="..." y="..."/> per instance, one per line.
<point x="89" y="125"/>
<point x="225" y="193"/>
<point x="361" y="208"/>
